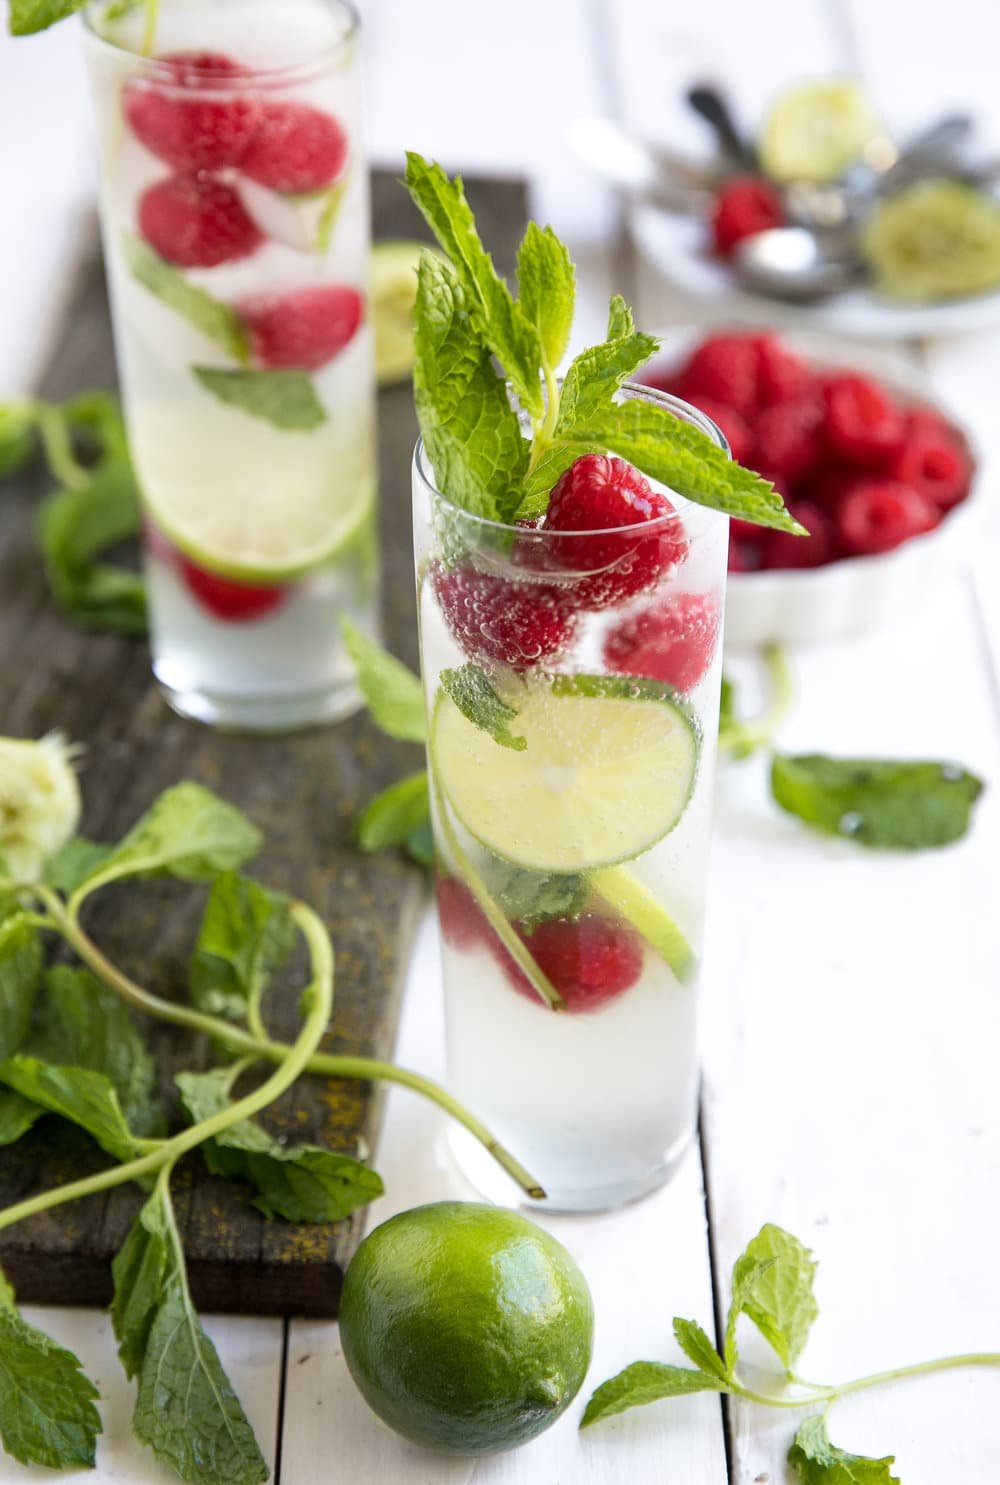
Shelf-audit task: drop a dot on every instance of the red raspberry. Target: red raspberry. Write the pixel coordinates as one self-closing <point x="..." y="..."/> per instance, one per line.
<point x="723" y="367"/>
<point x="188" y="131"/>
<point x="787" y="437"/>
<point x="589" y="960"/>
<point x="302" y="328"/>
<point x="781" y="375"/>
<point x="196" y="221"/>
<point x="744" y="531"/>
<point x="499" y="621"/>
<point x="827" y="486"/>
<point x="228" y="600"/>
<point x="460" y="916"/>
<point x="923" y="419"/>
<point x="673" y="642"/>
<point x="782" y="549"/>
<point x="743" y="207"/>
<point x="734" y="427"/>
<point x="878" y="515"/>
<point x="663" y="378"/>
<point x="297" y="148"/>
<point x="935" y="465"/>
<point x="863" y="424"/>
<point x="597" y="494"/>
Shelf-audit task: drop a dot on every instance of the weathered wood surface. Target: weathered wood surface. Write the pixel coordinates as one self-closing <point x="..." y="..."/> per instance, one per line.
<point x="303" y="791"/>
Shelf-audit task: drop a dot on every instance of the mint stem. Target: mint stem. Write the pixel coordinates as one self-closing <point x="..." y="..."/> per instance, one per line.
<point x="875" y="1379"/>
<point x="744" y="738"/>
<point x="54" y="431"/>
<point x="149" y="29"/>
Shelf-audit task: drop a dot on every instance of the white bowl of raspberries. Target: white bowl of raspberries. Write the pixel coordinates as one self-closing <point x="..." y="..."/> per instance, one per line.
<point x="881" y="477"/>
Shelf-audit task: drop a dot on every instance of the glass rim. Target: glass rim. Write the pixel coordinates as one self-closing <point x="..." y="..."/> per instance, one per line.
<point x="683" y="504"/>
<point x="155" y="69"/>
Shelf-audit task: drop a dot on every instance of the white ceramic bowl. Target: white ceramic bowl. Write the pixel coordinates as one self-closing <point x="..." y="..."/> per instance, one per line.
<point x="853" y="594"/>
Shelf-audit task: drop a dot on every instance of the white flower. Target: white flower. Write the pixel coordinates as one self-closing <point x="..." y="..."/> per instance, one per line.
<point x="39" y="803"/>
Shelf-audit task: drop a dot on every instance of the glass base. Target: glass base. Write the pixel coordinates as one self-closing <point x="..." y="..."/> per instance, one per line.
<point x="288" y="713"/>
<point x="481" y="1171"/>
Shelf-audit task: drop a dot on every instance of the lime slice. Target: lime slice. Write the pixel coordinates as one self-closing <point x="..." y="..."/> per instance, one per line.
<point x="814" y="130"/>
<point x="393" y="294"/>
<point x="937" y="240"/>
<point x="608" y="770"/>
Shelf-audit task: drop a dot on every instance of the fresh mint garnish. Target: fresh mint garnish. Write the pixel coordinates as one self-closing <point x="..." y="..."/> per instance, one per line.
<point x="20" y="979"/>
<point x="697" y="1347"/>
<point x="75" y="526"/>
<point x="28" y="16"/>
<point x="218" y="322"/>
<point x="780" y="1299"/>
<point x="47" y="1413"/>
<point x="392" y="692"/>
<point x="472" y="691"/>
<point x="818" y="1462"/>
<point x="287" y="399"/>
<point x="246" y="935"/>
<point x="903" y="806"/>
<point x="529" y="898"/>
<point x="84" y="1098"/>
<point x="399" y="816"/>
<point x="547" y="283"/>
<point x="645" y="1382"/>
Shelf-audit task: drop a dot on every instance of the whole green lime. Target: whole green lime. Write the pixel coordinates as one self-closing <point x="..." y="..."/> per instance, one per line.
<point x="466" y="1326"/>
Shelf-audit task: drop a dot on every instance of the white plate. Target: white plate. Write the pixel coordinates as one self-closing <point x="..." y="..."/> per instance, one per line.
<point x="676" y="246"/>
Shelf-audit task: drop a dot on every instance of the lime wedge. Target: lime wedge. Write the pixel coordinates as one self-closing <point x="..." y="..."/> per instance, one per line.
<point x="393" y="295"/>
<point x="607" y="771"/>
<point x="814" y="130"/>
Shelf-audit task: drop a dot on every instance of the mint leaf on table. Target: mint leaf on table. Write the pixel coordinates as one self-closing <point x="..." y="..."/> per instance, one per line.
<point x="301" y="1182"/>
<point x="697" y="1347"/>
<point x="546" y="282"/>
<point x="17" y="1116"/>
<point x="889" y="805"/>
<point x="473" y="693"/>
<point x="645" y="1382"/>
<point x="500" y="322"/>
<point x="139" y="1270"/>
<point x="470" y="430"/>
<point x="393" y="694"/>
<point x="397" y="817"/>
<point x="17" y="440"/>
<point x="28" y="16"/>
<point x="747" y="1272"/>
<point x="285" y="398"/>
<point x="780" y="1301"/>
<point x="212" y="318"/>
<point x="246" y="934"/>
<point x="20" y="978"/>
<point x="78" y="859"/>
<point x="530" y="898"/>
<point x="75" y="526"/>
<point x="817" y="1461"/>
<point x="47" y="1413"/>
<point x="85" y="1098"/>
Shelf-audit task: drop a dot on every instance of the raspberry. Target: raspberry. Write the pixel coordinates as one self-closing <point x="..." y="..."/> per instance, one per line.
<point x="863" y="424"/>
<point x="460" y="916"/>
<point x="935" y="465"/>
<point x="723" y="367"/>
<point x="924" y="419"/>
<point x="303" y="328"/>
<point x="196" y="221"/>
<point x="589" y="960"/>
<point x="734" y="427"/>
<point x="188" y="131"/>
<point x="674" y="642"/>
<point x="787" y="437"/>
<point x="878" y="515"/>
<point x="743" y="207"/>
<point x="782" y="549"/>
<point x="744" y="556"/>
<point x="827" y="486"/>
<point x="502" y="622"/>
<point x="297" y="148"/>
<point x="597" y="494"/>
<point x="228" y="600"/>
<point x="781" y="375"/>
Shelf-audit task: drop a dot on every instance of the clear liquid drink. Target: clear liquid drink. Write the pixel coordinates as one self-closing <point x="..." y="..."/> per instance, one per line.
<point x="572" y="689"/>
<point x="234" y="207"/>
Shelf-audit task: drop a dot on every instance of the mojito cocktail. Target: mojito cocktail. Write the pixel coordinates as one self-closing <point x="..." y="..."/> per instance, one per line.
<point x="234" y="207"/>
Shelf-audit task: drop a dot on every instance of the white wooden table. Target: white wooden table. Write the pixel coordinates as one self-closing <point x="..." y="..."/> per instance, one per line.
<point x="851" y="1022"/>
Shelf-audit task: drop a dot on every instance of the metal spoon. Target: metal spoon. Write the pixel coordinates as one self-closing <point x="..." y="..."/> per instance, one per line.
<point x="711" y="105"/>
<point x="650" y="172"/>
<point x="791" y="263"/>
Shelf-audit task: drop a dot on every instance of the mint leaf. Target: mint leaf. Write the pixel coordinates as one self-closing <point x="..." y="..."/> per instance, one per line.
<point x="889" y="805"/>
<point x="96" y="417"/>
<point x="139" y="1271"/>
<point x="20" y="977"/>
<point x="78" y="859"/>
<point x="47" y="1413"/>
<point x="74" y="527"/>
<point x="420" y="844"/>
<point x="596" y="375"/>
<point x="470" y="430"/>
<point x="28" y="16"/>
<point x="285" y="398"/>
<point x="621" y="320"/>
<point x="210" y="317"/>
<point x="17" y="1115"/>
<point x="697" y="1347"/>
<point x="329" y="213"/>
<point x="395" y="816"/>
<point x="547" y="290"/>
<point x="747" y="1272"/>
<point x="17" y="440"/>
<point x="246" y="935"/>
<point x="473" y="693"/>
<point x="529" y="897"/>
<point x="86" y="1025"/>
<point x="645" y="1382"/>
<point x="188" y="833"/>
<point x="500" y="323"/>
<point x="75" y="1093"/>
<point x="818" y="1462"/>
<point x="303" y="1183"/>
<point x="392" y="692"/>
<point x="780" y="1301"/>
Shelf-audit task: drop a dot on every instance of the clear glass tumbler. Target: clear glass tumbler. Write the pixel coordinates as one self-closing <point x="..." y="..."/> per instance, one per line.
<point x="234" y="206"/>
<point x="572" y="688"/>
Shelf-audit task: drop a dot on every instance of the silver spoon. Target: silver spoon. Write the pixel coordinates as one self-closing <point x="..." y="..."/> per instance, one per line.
<point x="649" y="172"/>
<point x="791" y="263"/>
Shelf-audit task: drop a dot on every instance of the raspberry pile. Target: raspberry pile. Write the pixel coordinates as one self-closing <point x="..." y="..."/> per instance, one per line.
<point x="861" y="471"/>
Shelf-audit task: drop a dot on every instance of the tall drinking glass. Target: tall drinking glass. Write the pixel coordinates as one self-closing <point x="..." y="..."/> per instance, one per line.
<point x="572" y="689"/>
<point x="234" y="205"/>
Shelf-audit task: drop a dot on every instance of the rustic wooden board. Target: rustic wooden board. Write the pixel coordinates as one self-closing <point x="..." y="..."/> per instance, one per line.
<point x="303" y="791"/>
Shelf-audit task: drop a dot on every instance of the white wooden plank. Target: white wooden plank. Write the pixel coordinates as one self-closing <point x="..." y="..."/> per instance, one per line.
<point x="250" y="1351"/>
<point x="851" y="1088"/>
<point x="644" y="1264"/>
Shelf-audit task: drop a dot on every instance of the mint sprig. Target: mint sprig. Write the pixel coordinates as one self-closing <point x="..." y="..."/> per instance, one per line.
<point x="472" y="691"/>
